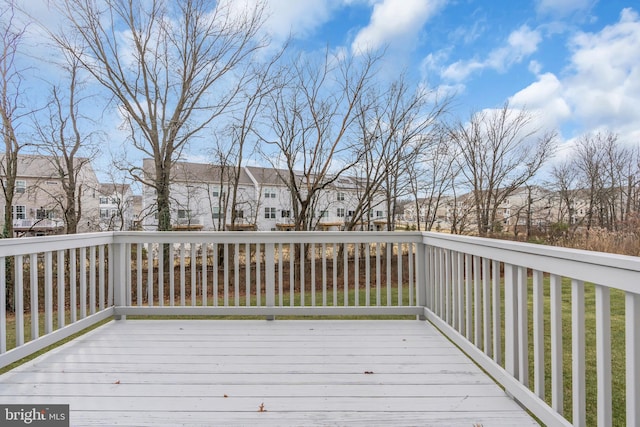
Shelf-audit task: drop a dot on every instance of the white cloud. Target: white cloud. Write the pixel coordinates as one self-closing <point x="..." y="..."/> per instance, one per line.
<point x="395" y="21"/>
<point x="562" y="8"/>
<point x="520" y="44"/>
<point x="600" y="89"/>
<point x="544" y="98"/>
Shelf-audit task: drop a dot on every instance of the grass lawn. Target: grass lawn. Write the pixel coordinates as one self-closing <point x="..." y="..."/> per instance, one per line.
<point x="617" y="335"/>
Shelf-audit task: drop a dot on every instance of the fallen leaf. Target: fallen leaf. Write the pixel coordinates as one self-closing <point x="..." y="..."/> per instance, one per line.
<point x="368" y="372"/>
<point x="261" y="408"/>
<point x="117" y="382"/>
<point x="225" y="396"/>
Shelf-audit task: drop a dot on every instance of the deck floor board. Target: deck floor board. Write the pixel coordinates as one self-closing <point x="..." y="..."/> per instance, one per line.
<point x="303" y="372"/>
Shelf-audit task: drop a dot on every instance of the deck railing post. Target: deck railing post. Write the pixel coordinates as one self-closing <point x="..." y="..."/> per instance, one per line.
<point x="119" y="278"/>
<point x="421" y="278"/>
<point x="632" y="344"/>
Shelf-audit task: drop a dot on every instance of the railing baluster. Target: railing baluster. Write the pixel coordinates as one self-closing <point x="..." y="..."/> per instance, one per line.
<point x="258" y="282"/>
<point x="139" y="247"/>
<point x="538" y="333"/>
<point x="292" y="294"/>
<point x="225" y="269"/>
<point x="302" y="270"/>
<point x="477" y="311"/>
<point x="510" y="320"/>
<point x="603" y="354"/>
<point x="269" y="271"/>
<point x="18" y="291"/>
<point x="160" y="275"/>
<point x="48" y="293"/>
<point x="440" y="285"/>
<point x="280" y="276"/>
<point x="323" y="260"/>
<point x="460" y="284"/>
<point x="454" y="290"/>
<point x="523" y="330"/>
<point x="578" y="353"/>
<point x="557" y="377"/>
<point x="632" y="352"/>
<point x="92" y="279"/>
<point x="193" y="264"/>
<point x="150" y="275"/>
<point x="345" y="270"/>
<point x="183" y="291"/>
<point x="128" y="268"/>
<point x="335" y="275"/>
<point x="247" y="267"/>
<point x="33" y="307"/>
<point x="92" y="276"/>
<point x="367" y="274"/>
<point x="205" y="267"/>
<point x="83" y="282"/>
<point x="412" y="283"/>
<point x="399" y="260"/>
<point x="497" y="317"/>
<point x="236" y="275"/>
<point x="486" y="306"/>
<point x="356" y="274"/>
<point x="214" y="291"/>
<point x="3" y="307"/>
<point x="101" y="288"/>
<point x="61" y="288"/>
<point x="389" y="252"/>
<point x="111" y="275"/>
<point x="171" y="270"/>
<point x="73" y="303"/>
<point x="468" y="294"/>
<point x="378" y="276"/>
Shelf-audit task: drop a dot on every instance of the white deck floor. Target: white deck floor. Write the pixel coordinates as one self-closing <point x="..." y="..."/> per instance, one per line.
<point x="301" y="372"/>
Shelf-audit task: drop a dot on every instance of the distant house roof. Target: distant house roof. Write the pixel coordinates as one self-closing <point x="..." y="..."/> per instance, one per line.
<point x="200" y="172"/>
<point x="39" y="166"/>
<point x="107" y="189"/>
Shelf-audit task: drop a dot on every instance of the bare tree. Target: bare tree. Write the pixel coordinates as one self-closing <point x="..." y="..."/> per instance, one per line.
<point x="498" y="150"/>
<point x="394" y="128"/>
<point x="168" y="66"/>
<point x="311" y="114"/>
<point x="69" y="146"/>
<point x="431" y="177"/>
<point x="12" y="109"/>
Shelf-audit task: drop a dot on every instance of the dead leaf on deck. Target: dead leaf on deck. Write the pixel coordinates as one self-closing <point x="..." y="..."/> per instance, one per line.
<point x="225" y="395"/>
<point x="117" y="382"/>
<point x="261" y="408"/>
<point x="368" y="372"/>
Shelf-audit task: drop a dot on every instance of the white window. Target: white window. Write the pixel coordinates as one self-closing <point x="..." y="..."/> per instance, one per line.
<point x="217" y="192"/>
<point x="340" y="213"/>
<point x="269" y="193"/>
<point x="379" y="214"/>
<point x="183" y="213"/>
<point x="286" y="214"/>
<point x="21" y="186"/>
<point x="19" y="212"/>
<point x="104" y="200"/>
<point x="324" y="214"/>
<point x="104" y="213"/>
<point x="270" y="213"/>
<point x="239" y="213"/>
<point x="115" y="200"/>
<point x="216" y="212"/>
<point x="340" y="197"/>
<point x="44" y="213"/>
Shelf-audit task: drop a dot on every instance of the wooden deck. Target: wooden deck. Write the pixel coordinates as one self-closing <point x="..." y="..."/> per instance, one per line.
<point x="300" y="372"/>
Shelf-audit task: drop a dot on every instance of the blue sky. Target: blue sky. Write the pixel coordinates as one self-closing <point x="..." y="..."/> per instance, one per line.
<point x="575" y="64"/>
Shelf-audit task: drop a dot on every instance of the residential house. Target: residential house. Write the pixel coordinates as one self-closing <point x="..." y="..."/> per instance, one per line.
<point x="201" y="200"/>
<point x="116" y="207"/>
<point x="39" y="197"/>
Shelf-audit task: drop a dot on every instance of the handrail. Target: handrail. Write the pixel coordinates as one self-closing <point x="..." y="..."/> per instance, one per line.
<point x="505" y="303"/>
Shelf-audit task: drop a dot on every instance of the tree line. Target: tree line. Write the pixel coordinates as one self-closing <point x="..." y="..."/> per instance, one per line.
<point x="198" y="71"/>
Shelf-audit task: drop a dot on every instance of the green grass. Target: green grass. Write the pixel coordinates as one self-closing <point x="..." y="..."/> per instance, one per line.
<point x="617" y="335"/>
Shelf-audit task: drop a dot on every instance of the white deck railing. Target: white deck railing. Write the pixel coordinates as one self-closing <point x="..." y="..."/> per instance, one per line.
<point x="491" y="297"/>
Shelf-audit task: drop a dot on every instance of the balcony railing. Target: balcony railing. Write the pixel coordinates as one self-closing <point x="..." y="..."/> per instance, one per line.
<point x="525" y="313"/>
